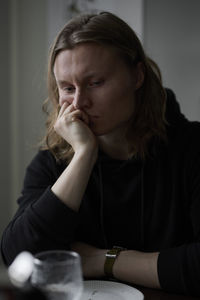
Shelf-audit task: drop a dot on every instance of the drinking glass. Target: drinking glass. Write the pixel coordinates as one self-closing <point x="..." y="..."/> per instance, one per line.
<point x="58" y="274"/>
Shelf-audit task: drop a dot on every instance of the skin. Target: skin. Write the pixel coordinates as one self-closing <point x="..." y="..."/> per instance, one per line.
<point x="96" y="96"/>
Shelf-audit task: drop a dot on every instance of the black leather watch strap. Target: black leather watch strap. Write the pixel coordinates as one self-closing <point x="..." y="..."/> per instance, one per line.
<point x="111" y="256"/>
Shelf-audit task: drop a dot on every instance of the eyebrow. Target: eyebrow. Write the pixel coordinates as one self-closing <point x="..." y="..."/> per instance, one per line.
<point x="62" y="82"/>
<point x="86" y="77"/>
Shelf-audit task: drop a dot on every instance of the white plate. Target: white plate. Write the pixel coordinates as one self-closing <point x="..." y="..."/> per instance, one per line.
<point x="109" y="290"/>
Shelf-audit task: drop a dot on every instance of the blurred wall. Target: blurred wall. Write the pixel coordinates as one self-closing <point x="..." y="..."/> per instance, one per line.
<point x="172" y="38"/>
<point x="23" y="62"/>
<point x="5" y="148"/>
<point x="28" y="55"/>
<point x="129" y="10"/>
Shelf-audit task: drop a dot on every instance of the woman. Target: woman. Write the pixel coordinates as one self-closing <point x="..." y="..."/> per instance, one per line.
<point x="119" y="166"/>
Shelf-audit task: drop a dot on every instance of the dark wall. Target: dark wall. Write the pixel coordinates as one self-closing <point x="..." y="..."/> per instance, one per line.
<point x="5" y="115"/>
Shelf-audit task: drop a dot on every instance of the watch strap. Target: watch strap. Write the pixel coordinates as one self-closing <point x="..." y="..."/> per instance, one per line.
<point x="111" y="256"/>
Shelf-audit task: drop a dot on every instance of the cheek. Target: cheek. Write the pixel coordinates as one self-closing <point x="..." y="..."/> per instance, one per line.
<point x="64" y="98"/>
<point x="121" y="104"/>
<point x="126" y="98"/>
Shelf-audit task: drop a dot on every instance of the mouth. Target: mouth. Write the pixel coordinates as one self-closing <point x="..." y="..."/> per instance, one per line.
<point x="94" y="117"/>
<point x="93" y="120"/>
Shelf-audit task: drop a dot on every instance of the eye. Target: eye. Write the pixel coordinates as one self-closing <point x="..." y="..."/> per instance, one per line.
<point x="68" y="89"/>
<point x="95" y="83"/>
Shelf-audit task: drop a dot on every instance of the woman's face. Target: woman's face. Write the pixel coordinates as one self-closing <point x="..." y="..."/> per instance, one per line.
<point x="96" y="80"/>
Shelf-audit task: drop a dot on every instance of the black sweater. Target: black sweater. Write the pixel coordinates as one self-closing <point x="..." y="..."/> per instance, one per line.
<point x="151" y="205"/>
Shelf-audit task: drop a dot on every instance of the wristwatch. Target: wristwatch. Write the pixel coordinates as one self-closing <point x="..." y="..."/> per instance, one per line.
<point x="111" y="256"/>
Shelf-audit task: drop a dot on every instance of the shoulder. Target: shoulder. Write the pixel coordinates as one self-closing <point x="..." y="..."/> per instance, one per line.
<point x="191" y="136"/>
<point x="189" y="132"/>
<point x="43" y="157"/>
<point x="183" y="144"/>
<point x="44" y="165"/>
<point x="180" y="131"/>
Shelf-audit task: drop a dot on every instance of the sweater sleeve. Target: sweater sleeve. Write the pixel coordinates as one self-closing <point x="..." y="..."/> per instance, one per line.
<point x="179" y="267"/>
<point x="42" y="221"/>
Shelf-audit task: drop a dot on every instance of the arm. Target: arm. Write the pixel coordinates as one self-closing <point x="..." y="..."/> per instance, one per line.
<point x="130" y="266"/>
<point x="41" y="220"/>
<point x="47" y="217"/>
<point x="137" y="268"/>
<point x="75" y="177"/>
<point x="72" y="125"/>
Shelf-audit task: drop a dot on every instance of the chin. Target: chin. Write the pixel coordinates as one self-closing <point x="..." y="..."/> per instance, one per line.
<point x="97" y="131"/>
<point x="100" y="132"/>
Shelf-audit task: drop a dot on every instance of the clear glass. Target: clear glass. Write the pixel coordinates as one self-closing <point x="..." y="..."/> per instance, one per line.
<point x="58" y="274"/>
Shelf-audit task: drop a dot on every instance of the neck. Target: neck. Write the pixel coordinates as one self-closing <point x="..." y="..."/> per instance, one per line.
<point x="115" y="145"/>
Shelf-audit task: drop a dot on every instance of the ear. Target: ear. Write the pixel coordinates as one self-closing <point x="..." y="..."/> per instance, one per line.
<point x="139" y="72"/>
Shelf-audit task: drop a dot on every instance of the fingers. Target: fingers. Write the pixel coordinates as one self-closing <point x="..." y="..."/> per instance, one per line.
<point x="63" y="108"/>
<point x="79" y="115"/>
<point x="74" y="114"/>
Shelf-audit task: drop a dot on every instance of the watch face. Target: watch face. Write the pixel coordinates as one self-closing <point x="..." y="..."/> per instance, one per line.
<point x="110" y="260"/>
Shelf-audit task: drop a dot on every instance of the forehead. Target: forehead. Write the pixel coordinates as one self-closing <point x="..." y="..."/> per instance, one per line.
<point x="84" y="59"/>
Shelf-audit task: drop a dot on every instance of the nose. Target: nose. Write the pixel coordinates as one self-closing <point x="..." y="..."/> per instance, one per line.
<point x="81" y="99"/>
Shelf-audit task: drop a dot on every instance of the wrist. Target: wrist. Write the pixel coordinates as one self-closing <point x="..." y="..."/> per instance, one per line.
<point x="96" y="264"/>
<point x="110" y="259"/>
<point x="101" y="260"/>
<point x="89" y="158"/>
<point x="88" y="151"/>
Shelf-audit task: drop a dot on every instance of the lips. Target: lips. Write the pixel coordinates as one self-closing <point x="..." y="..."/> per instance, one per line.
<point x="94" y="117"/>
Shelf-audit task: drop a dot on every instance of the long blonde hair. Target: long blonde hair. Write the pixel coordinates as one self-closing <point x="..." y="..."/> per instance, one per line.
<point x="106" y="28"/>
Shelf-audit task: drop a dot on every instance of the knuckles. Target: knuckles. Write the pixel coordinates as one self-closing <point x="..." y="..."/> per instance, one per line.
<point x="61" y="123"/>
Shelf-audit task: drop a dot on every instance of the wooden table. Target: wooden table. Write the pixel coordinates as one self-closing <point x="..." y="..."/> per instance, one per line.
<point x="152" y="294"/>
